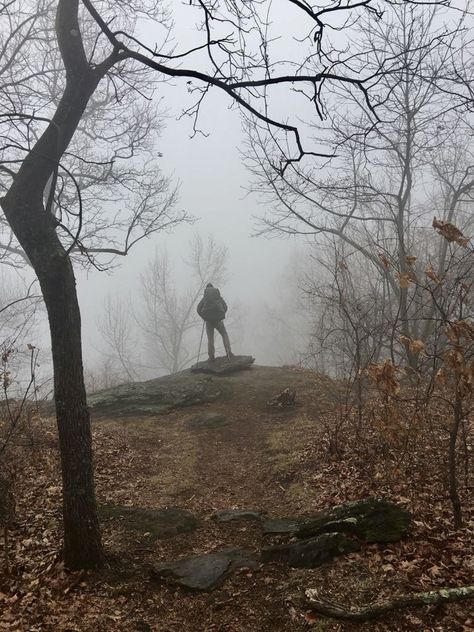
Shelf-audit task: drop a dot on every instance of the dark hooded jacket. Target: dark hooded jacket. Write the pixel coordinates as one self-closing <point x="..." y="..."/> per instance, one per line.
<point x="212" y="307"/>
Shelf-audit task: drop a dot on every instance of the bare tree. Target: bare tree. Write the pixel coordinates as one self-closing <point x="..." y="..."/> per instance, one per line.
<point x="117" y="329"/>
<point x="105" y="56"/>
<point x="167" y="316"/>
<point x="108" y="192"/>
<point x="393" y="165"/>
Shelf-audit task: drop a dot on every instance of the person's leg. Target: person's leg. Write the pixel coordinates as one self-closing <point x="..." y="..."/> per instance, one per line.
<point x="225" y="338"/>
<point x="210" y="340"/>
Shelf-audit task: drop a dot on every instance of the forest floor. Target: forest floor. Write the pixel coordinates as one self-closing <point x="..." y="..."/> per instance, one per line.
<point x="276" y="460"/>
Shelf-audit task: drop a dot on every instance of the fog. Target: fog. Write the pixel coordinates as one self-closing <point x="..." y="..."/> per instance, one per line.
<point x="213" y="188"/>
<point x="270" y="276"/>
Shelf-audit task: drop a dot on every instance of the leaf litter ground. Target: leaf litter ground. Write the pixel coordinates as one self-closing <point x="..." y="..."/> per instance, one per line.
<point x="274" y="460"/>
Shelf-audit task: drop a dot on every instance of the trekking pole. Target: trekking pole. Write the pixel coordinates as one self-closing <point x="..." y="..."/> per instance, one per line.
<point x="200" y="342"/>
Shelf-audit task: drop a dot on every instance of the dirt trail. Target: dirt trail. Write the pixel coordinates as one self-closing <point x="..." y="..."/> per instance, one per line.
<point x="250" y="462"/>
<point x="247" y="462"/>
<point x="234" y="460"/>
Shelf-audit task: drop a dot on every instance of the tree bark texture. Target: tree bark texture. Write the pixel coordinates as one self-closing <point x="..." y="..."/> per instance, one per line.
<point x="82" y="542"/>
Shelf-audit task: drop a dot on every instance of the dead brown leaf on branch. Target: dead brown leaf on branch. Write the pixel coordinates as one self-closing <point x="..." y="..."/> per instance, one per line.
<point x="460" y="329"/>
<point x="384" y="260"/>
<point x="431" y="274"/>
<point x="405" y="279"/>
<point x="450" y="232"/>
<point x="415" y="346"/>
<point x="385" y="376"/>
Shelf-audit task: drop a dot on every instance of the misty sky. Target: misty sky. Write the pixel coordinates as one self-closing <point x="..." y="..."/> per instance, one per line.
<point x="213" y="184"/>
<point x="213" y="181"/>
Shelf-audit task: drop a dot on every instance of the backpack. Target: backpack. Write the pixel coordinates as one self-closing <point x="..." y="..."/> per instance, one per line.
<point x="213" y="307"/>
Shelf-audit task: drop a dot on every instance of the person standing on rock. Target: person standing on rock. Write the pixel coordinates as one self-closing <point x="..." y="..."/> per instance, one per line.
<point x="212" y="309"/>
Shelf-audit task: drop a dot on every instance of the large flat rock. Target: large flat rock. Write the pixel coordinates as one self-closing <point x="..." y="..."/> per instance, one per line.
<point x="158" y="523"/>
<point x="224" y="365"/>
<point x="231" y="515"/>
<point x="158" y="397"/>
<point x="203" y="572"/>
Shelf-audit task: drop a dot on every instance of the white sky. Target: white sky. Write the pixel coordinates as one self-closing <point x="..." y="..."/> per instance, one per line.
<point x="213" y="181"/>
<point x="213" y="185"/>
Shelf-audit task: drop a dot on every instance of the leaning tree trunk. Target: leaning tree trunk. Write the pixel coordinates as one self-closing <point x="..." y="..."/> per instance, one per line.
<point x="35" y="228"/>
<point x="36" y="233"/>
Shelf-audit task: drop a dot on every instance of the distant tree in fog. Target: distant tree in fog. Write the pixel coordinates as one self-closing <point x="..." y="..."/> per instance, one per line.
<point x="394" y="167"/>
<point x="167" y="314"/>
<point x="116" y="327"/>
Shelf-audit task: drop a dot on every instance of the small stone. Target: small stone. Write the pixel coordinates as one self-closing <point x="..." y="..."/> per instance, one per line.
<point x="281" y="526"/>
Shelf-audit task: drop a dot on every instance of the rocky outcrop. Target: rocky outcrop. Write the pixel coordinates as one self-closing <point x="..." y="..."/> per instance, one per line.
<point x="334" y="532"/>
<point x="224" y="365"/>
<point x="371" y="520"/>
<point x="157" y="397"/>
<point x="187" y="388"/>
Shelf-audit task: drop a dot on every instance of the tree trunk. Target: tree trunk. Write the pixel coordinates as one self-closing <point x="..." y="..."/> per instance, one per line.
<point x="82" y="541"/>
<point x="35" y="229"/>
<point x="452" y="460"/>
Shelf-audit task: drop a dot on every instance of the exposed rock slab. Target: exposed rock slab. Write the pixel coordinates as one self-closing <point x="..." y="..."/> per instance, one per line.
<point x="203" y="572"/>
<point x="312" y="552"/>
<point x="157" y="397"/>
<point x="371" y="520"/>
<point x="282" y="526"/>
<point x="159" y="523"/>
<point x="166" y="394"/>
<point x="206" y="420"/>
<point x="224" y="365"/>
<point x="255" y="515"/>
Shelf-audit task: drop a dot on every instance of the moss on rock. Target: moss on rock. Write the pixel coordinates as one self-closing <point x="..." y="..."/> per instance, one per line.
<point x="371" y="519"/>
